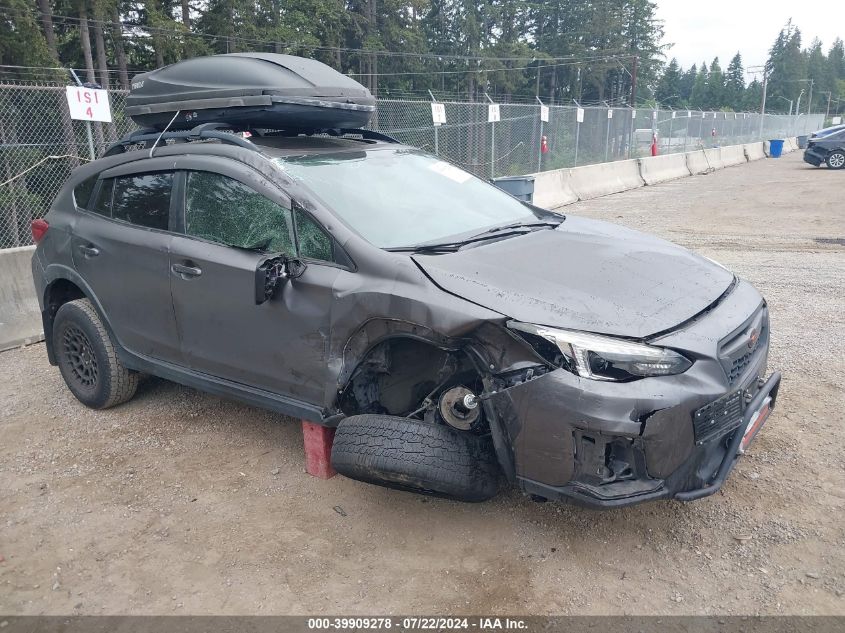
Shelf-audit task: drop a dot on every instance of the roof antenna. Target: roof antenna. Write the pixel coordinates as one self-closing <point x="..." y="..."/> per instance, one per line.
<point x="163" y="132"/>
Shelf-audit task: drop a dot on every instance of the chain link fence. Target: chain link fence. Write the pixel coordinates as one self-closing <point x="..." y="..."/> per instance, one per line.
<point x="40" y="145"/>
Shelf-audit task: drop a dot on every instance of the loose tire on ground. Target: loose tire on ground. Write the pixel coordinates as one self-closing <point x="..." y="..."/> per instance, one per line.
<point x="417" y="456"/>
<point x="87" y="358"/>
<point x="836" y="160"/>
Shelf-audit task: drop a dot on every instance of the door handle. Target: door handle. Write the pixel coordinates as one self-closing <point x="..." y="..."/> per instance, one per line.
<point x="185" y="271"/>
<point x="89" y="251"/>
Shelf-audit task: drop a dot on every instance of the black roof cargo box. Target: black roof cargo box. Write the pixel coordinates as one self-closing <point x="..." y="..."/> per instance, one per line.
<point x="249" y="90"/>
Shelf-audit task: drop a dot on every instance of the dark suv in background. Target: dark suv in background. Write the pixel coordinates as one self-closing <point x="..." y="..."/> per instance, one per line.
<point x="827" y="148"/>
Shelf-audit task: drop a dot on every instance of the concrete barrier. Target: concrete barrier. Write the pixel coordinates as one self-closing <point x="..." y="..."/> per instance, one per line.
<point x="20" y="317"/>
<point x="767" y="149"/>
<point x="713" y="155"/>
<point x="733" y="155"/>
<point x="754" y="151"/>
<point x="593" y="181"/>
<point x="552" y="190"/>
<point x="697" y="162"/>
<point x="657" y="169"/>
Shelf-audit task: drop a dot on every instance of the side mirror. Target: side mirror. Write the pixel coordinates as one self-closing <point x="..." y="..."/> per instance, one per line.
<point x="272" y="272"/>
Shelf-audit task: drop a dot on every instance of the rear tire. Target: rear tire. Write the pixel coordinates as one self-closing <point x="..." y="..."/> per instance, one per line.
<point x="87" y="358"/>
<point x="836" y="160"/>
<point x="417" y="456"/>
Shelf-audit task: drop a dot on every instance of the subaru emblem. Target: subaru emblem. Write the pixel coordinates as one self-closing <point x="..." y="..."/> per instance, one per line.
<point x="753" y="336"/>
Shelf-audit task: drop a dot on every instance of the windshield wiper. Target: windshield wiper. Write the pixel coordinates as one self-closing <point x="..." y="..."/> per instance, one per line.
<point x="525" y="225"/>
<point x="451" y="247"/>
<point x="445" y="247"/>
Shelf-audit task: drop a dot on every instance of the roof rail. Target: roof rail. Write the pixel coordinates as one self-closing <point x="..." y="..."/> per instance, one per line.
<point x="200" y="132"/>
<point x="368" y="135"/>
<point x="219" y="131"/>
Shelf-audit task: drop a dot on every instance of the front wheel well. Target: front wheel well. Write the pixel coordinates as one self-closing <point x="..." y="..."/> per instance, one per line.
<point x="404" y="376"/>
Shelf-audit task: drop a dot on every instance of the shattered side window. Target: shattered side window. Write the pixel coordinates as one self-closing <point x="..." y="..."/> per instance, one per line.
<point x="223" y="210"/>
<point x="313" y="241"/>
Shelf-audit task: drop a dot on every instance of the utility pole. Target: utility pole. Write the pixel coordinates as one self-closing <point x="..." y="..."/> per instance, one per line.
<point x="827" y="111"/>
<point x="634" y="83"/>
<point x="763" y="105"/>
<point x="633" y="104"/>
<point x="810" y="98"/>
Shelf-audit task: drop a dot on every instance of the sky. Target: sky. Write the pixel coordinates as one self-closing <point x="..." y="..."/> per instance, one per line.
<point x="703" y="29"/>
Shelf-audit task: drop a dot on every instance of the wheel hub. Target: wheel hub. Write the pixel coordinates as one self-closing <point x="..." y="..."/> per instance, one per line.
<point x="459" y="408"/>
<point x="80" y="357"/>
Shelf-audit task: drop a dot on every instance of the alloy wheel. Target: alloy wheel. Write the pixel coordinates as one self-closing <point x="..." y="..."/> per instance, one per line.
<point x="80" y="357"/>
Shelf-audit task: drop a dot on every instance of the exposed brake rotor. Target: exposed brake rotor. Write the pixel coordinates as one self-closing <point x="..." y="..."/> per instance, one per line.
<point x="459" y="408"/>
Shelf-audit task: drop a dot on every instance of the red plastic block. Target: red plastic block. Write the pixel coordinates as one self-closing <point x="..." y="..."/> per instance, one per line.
<point x="318" y="450"/>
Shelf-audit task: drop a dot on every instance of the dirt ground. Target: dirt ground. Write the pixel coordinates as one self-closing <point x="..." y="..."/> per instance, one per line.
<point x="180" y="502"/>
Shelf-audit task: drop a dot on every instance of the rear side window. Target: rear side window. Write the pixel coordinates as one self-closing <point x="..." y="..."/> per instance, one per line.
<point x="82" y="192"/>
<point x="102" y="204"/>
<point x="221" y="209"/>
<point x="143" y="199"/>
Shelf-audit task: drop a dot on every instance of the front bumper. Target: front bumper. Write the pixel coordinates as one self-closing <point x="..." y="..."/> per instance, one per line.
<point x="608" y="444"/>
<point x="694" y="471"/>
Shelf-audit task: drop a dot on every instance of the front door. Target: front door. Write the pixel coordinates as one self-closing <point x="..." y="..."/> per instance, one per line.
<point x="121" y="249"/>
<point x="281" y="345"/>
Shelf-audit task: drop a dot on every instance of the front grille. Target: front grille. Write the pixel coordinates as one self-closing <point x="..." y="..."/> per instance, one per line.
<point x="739" y="349"/>
<point x="718" y="417"/>
<point x="738" y="365"/>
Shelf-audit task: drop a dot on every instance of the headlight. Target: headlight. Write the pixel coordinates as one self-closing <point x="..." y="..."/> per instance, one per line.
<point x="602" y="357"/>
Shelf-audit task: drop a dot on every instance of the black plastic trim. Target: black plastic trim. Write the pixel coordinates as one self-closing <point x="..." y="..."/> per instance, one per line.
<point x="222" y="387"/>
<point x="732" y="455"/>
<point x="201" y="132"/>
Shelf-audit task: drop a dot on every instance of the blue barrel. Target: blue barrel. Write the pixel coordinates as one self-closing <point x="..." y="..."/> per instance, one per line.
<point x="776" y="147"/>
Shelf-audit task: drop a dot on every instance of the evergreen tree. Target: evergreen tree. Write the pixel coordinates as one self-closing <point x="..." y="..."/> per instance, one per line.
<point x="734" y="84"/>
<point x="22" y="42"/>
<point x="669" y="89"/>
<point x="698" y="95"/>
<point x="686" y="84"/>
<point x="817" y="72"/>
<point x="787" y="65"/>
<point x="753" y="96"/>
<point x="715" y="88"/>
<point x="560" y="50"/>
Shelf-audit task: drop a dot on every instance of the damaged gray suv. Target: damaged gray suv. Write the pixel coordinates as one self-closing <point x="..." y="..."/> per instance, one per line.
<point x="454" y="336"/>
<point x="450" y="332"/>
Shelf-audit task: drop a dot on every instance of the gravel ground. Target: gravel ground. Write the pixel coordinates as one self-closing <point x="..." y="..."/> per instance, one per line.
<point x="180" y="502"/>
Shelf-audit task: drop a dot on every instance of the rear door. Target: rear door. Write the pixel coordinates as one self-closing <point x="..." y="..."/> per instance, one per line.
<point x="121" y="249"/>
<point x="233" y="219"/>
<point x="833" y="142"/>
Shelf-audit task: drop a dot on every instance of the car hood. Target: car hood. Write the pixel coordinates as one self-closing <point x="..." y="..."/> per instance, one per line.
<point x="585" y="275"/>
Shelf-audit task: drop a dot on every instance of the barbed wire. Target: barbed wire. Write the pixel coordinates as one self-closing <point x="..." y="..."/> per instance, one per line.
<point x="41" y="162"/>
